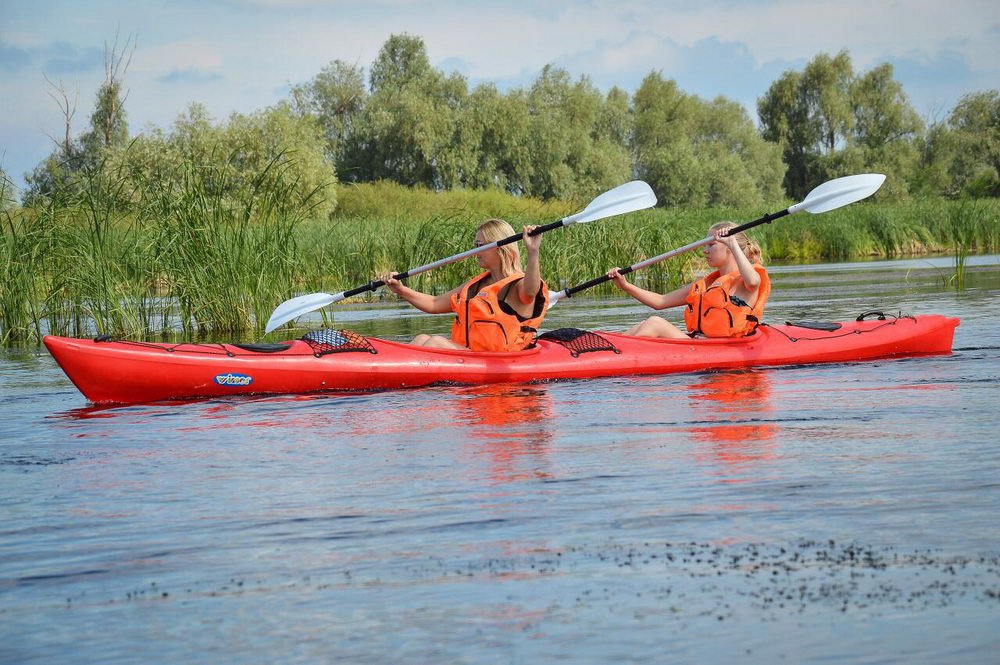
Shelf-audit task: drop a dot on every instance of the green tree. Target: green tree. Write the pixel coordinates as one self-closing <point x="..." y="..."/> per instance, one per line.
<point x="829" y="122"/>
<point x="886" y="128"/>
<point x="975" y="158"/>
<point x="406" y="129"/>
<point x="492" y="141"/>
<point x="825" y="89"/>
<point x="63" y="172"/>
<point x="276" y="148"/>
<point x="418" y="126"/>
<point x="694" y="152"/>
<point x="108" y="122"/>
<point x="936" y="150"/>
<point x="571" y="157"/>
<point x="614" y="122"/>
<point x="335" y="98"/>
<point x="809" y="115"/>
<point x="48" y="180"/>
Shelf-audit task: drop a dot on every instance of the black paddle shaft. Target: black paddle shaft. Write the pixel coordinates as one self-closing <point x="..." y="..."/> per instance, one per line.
<point x="378" y="283"/>
<point x="766" y="219"/>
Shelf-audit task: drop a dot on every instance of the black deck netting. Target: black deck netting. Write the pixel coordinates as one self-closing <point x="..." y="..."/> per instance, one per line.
<point x="328" y="341"/>
<point x="579" y="341"/>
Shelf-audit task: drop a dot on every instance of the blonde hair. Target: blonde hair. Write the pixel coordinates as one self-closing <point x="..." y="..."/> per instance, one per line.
<point x="750" y="247"/>
<point x="497" y="229"/>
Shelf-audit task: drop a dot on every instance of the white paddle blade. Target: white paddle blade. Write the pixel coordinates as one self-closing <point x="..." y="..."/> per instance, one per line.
<point x="631" y="196"/>
<point x="839" y="192"/>
<point x="554" y="297"/>
<point x="296" y="307"/>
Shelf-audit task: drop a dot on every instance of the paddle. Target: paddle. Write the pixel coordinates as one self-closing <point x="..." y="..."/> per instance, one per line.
<point x="631" y="196"/>
<point x="828" y="196"/>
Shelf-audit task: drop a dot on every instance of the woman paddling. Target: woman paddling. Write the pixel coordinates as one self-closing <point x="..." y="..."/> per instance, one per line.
<point x="499" y="309"/>
<point x="729" y="302"/>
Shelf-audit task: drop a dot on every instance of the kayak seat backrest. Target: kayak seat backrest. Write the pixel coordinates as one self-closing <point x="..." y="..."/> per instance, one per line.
<point x="579" y="341"/>
<point x="328" y="341"/>
<point x="264" y="347"/>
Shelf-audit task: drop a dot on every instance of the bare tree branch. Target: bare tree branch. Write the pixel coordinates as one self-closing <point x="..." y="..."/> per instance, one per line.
<point x="68" y="110"/>
<point x="116" y="64"/>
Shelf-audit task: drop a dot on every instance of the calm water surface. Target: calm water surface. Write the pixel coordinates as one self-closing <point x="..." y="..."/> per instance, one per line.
<point x="843" y="513"/>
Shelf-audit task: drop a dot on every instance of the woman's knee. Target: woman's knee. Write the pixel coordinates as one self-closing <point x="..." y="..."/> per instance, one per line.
<point x="655" y="326"/>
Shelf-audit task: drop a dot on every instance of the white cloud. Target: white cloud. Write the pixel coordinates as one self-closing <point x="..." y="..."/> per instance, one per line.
<point x="190" y="54"/>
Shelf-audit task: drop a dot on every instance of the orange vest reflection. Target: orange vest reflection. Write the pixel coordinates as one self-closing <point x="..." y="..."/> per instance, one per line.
<point x="510" y="424"/>
<point x="733" y="410"/>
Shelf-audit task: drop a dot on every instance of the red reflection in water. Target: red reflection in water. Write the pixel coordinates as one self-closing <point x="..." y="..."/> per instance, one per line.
<point x="510" y="425"/>
<point x="734" y="408"/>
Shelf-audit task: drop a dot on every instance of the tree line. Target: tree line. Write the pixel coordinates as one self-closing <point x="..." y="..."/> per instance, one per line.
<point x="409" y="122"/>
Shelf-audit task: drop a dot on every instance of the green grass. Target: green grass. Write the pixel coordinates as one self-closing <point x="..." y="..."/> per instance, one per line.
<point x="971" y="227"/>
<point x="178" y="257"/>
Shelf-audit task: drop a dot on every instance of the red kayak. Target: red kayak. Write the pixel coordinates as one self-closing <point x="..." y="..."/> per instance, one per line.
<point x="119" y="371"/>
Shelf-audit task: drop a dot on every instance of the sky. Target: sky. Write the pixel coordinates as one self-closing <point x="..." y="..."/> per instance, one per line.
<point x="243" y="55"/>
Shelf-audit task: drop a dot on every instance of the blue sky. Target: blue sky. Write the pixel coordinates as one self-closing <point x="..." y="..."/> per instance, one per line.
<point x="241" y="55"/>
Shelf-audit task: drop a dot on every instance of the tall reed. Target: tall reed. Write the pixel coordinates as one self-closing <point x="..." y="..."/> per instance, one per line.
<point x="228" y="254"/>
<point x="104" y="263"/>
<point x="966" y="220"/>
<point x="22" y="250"/>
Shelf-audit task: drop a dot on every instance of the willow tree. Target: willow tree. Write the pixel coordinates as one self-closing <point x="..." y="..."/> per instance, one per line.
<point x="406" y="129"/>
<point x="335" y="98"/>
<point x="829" y="122"/>
<point x="808" y="114"/>
<point x="975" y="127"/>
<point x="697" y="152"/>
<point x="61" y="174"/>
<point x="492" y="148"/>
<point x="245" y="156"/>
<point x="109" y="122"/>
<point x="574" y="152"/>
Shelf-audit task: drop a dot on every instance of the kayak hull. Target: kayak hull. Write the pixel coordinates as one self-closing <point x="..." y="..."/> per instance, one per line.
<point x="137" y="372"/>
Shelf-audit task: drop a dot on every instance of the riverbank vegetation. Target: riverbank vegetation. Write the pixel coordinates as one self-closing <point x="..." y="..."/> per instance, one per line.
<point x="205" y="226"/>
<point x="193" y="260"/>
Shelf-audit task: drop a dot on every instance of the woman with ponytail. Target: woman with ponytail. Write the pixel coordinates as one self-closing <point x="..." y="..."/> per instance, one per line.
<point x="498" y="310"/>
<point x="729" y="302"/>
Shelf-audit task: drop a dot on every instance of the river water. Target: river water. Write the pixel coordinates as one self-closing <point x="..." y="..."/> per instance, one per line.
<point x="839" y="513"/>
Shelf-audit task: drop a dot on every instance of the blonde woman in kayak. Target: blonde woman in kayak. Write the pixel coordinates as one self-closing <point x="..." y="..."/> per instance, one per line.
<point x="729" y="302"/>
<point x="498" y="310"/>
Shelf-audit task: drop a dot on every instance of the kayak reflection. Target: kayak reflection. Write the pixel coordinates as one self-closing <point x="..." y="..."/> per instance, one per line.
<point x="733" y="411"/>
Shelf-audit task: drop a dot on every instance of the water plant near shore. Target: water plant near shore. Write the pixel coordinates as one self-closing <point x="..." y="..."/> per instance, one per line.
<point x="971" y="227"/>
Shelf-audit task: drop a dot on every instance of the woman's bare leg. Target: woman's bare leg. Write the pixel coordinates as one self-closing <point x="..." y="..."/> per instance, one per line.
<point x="654" y="326"/>
<point x="435" y="342"/>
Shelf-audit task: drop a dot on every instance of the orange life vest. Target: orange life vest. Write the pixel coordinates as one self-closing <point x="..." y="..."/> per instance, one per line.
<point x="712" y="311"/>
<point x="484" y="322"/>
